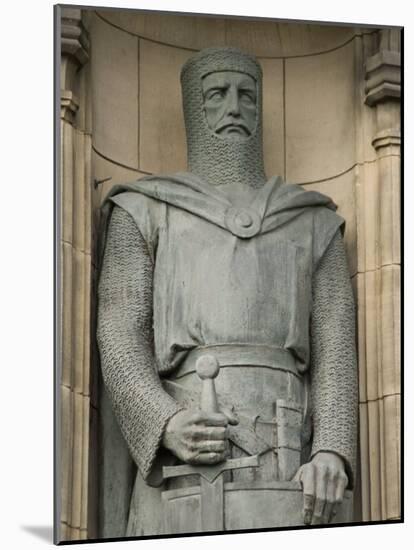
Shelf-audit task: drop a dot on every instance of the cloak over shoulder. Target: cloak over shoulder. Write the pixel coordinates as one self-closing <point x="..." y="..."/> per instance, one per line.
<point x="282" y="210"/>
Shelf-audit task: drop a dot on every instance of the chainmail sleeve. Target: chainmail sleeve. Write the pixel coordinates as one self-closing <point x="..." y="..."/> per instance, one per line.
<point x="125" y="340"/>
<point x="334" y="389"/>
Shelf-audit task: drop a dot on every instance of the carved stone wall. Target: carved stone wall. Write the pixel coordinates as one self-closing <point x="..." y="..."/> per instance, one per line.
<point x="378" y="208"/>
<point x="75" y="267"/>
<point x="331" y="124"/>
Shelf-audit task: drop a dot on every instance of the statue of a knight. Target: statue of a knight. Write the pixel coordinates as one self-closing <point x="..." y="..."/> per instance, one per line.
<point x="226" y="332"/>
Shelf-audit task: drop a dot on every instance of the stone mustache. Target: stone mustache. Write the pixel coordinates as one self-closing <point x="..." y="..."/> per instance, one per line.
<point x="224" y="274"/>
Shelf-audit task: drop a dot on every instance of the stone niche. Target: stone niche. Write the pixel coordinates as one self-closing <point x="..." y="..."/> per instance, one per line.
<point x="332" y="123"/>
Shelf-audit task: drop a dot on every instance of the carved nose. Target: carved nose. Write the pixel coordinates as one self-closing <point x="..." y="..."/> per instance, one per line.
<point x="233" y="107"/>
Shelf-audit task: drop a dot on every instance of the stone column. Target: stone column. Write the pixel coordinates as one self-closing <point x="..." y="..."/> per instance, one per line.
<point x="75" y="268"/>
<point x="379" y="282"/>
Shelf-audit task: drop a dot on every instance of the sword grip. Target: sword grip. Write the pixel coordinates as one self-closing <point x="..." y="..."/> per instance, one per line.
<point x="207" y="368"/>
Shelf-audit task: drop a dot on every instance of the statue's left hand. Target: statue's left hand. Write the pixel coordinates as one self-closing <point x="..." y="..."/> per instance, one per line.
<point x="323" y="480"/>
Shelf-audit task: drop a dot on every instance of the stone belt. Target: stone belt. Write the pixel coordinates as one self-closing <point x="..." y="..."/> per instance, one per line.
<point x="237" y="355"/>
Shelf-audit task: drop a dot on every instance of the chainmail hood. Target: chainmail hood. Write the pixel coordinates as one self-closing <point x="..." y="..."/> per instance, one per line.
<point x="220" y="159"/>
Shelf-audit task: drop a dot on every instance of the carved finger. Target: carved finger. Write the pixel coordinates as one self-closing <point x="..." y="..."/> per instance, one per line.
<point x="231" y="416"/>
<point x="341" y="485"/>
<point x="330" y="499"/>
<point x="207" y="458"/>
<point x="211" y="446"/>
<point x="321" y="482"/>
<point x="333" y="512"/>
<point x="308" y="505"/>
<point x="307" y="479"/>
<point x="202" y="434"/>
<point x="298" y="475"/>
<point x="210" y="419"/>
<point x="318" y="510"/>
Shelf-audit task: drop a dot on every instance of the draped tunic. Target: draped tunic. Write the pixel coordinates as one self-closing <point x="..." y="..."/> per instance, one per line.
<point x="223" y="273"/>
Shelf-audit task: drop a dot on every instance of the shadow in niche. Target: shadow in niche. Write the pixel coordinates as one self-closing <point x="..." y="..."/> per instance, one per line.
<point x="43" y="532"/>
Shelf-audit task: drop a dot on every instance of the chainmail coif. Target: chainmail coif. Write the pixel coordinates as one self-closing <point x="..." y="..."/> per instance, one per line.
<point x="125" y="338"/>
<point x="221" y="160"/>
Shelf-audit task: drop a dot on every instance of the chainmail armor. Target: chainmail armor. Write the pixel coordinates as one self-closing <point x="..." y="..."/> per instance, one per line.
<point x="220" y="160"/>
<point x="334" y="385"/>
<point x="125" y="338"/>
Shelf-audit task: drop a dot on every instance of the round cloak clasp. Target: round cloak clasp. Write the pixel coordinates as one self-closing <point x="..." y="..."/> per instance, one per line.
<point x="243" y="222"/>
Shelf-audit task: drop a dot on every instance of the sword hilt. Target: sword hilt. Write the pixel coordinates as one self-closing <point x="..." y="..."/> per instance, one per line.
<point x="207" y="368"/>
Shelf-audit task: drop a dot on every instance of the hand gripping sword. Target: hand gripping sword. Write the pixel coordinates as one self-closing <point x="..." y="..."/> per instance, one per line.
<point x="211" y="480"/>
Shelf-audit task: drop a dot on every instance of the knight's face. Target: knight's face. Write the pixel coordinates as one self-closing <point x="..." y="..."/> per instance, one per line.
<point x="230" y="103"/>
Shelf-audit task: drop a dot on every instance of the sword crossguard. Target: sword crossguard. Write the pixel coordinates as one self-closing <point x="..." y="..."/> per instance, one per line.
<point x="211" y="480"/>
<point x="207" y="368"/>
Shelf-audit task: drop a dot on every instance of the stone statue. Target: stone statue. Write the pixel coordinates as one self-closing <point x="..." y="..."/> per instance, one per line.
<point x="226" y="330"/>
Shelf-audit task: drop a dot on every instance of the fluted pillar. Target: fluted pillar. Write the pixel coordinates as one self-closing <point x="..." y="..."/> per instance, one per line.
<point x="379" y="284"/>
<point x="75" y="268"/>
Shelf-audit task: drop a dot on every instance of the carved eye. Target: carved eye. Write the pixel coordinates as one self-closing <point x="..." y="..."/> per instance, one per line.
<point x="216" y="95"/>
<point x="248" y="97"/>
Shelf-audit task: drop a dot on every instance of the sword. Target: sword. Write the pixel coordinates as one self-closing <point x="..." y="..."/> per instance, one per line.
<point x="211" y="480"/>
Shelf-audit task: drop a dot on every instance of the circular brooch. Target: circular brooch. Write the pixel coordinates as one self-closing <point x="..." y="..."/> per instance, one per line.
<point x="243" y="222"/>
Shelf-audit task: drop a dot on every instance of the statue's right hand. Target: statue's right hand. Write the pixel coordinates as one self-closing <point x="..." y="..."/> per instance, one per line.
<point x="196" y="437"/>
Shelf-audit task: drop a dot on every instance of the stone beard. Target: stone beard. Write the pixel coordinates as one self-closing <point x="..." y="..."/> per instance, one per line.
<point x="219" y="269"/>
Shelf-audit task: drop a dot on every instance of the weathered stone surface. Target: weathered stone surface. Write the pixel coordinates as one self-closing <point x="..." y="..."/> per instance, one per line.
<point x="364" y="462"/>
<point x="378" y="293"/>
<point x="381" y="473"/>
<point x="87" y="315"/>
<point x="114" y="92"/>
<point x="383" y="69"/>
<point x="88" y="192"/>
<point x="66" y="439"/>
<point x="389" y="212"/>
<point x="80" y="293"/>
<point x="162" y="135"/>
<point x="103" y="169"/>
<point x="273" y="122"/>
<point x="74" y="54"/>
<point x="367" y="215"/>
<point x="362" y="330"/>
<point x="77" y="452"/>
<point x="392" y="463"/>
<point x="66" y="308"/>
<point x="320" y="128"/>
<point x="276" y="39"/>
<point x="66" y="178"/>
<point x="379" y="367"/>
<point x="75" y="174"/>
<point x="79" y="190"/>
<point x="342" y="191"/>
<point x="74" y="41"/>
<point x="83" y="516"/>
<point x="182" y="31"/>
<point x="93" y="473"/>
<point x="365" y="117"/>
<point x="83" y="119"/>
<point x="262" y="38"/>
<point x="374" y="446"/>
<point x="378" y="196"/>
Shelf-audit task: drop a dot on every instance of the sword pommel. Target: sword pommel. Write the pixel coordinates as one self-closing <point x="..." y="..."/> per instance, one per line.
<point x="207" y="368"/>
